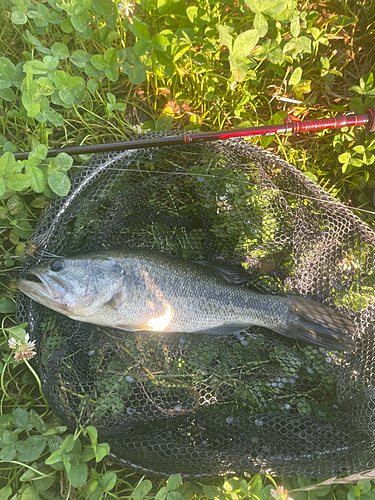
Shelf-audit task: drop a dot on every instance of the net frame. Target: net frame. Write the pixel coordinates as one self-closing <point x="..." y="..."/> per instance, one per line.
<point x="294" y="237"/>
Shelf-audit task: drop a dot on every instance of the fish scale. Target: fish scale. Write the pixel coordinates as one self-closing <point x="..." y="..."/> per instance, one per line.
<point x="140" y="289"/>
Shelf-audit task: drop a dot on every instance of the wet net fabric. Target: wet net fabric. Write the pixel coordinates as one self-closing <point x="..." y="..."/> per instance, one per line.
<point x="205" y="405"/>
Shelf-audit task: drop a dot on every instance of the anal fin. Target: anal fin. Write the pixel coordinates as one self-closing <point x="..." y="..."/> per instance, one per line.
<point x="231" y="329"/>
<point x="224" y="329"/>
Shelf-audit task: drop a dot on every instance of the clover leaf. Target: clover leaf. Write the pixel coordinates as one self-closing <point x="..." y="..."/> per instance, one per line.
<point x="9" y="177"/>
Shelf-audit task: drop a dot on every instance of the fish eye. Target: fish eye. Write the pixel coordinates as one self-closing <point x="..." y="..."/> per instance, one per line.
<point x="57" y="265"/>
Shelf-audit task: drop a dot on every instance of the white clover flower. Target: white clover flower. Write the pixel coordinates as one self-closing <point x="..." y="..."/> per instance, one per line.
<point x="24" y="348"/>
<point x="137" y="129"/>
<point x="125" y="8"/>
<point x="12" y="343"/>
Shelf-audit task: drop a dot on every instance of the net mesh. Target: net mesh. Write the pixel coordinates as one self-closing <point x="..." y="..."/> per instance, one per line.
<point x="205" y="405"/>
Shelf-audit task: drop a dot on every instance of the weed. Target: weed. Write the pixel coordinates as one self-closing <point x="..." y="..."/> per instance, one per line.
<point x="77" y="72"/>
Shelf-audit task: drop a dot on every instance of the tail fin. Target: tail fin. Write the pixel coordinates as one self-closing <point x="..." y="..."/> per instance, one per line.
<point x="319" y="324"/>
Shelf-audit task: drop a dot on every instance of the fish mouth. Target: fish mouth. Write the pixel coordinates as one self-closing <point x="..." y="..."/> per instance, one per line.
<point x="46" y="291"/>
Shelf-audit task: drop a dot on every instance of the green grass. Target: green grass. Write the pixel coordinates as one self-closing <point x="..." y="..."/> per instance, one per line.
<point x="81" y="72"/>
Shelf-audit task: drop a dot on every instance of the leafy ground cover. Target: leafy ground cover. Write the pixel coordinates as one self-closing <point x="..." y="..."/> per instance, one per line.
<point x="81" y="72"/>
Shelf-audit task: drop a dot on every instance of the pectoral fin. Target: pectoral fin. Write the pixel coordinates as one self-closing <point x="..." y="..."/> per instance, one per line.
<point x="117" y="300"/>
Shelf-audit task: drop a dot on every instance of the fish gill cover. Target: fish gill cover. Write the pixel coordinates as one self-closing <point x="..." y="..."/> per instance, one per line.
<point x="204" y="405"/>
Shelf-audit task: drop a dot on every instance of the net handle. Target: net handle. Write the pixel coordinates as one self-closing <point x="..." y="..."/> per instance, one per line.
<point x="290" y="126"/>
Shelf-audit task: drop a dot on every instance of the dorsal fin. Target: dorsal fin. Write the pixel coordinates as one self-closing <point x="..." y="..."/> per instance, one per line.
<point x="229" y="273"/>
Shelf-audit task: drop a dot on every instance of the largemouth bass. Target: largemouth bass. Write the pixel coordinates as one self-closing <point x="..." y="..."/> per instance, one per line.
<point x="140" y="289"/>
